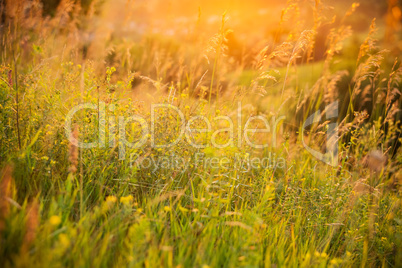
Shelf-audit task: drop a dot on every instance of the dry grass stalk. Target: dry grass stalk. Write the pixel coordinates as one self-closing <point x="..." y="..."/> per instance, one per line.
<point x="73" y="153"/>
<point x="10" y="78"/>
<point x="368" y="44"/>
<point x="375" y="161"/>
<point x="331" y="93"/>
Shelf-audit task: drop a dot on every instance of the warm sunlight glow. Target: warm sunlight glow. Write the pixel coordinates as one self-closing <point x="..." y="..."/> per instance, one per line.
<point x="200" y="133"/>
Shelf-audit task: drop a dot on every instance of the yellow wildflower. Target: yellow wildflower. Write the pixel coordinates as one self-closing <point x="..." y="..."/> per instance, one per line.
<point x="166" y="208"/>
<point x="126" y="200"/>
<point x="111" y="199"/>
<point x="55" y="220"/>
<point x="64" y="240"/>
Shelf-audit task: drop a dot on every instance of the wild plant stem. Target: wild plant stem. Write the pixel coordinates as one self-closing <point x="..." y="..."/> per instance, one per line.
<point x="17" y="102"/>
<point x="81" y="187"/>
<point x="213" y="75"/>
<point x="284" y="82"/>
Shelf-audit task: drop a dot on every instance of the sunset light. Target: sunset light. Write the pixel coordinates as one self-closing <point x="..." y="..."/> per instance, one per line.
<point x="200" y="133"/>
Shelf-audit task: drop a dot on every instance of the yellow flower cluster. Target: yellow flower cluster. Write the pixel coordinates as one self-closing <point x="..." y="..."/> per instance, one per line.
<point x="111" y="199"/>
<point x="126" y="200"/>
<point x="55" y="220"/>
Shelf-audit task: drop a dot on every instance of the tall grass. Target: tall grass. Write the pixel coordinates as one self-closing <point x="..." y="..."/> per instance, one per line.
<point x="61" y="205"/>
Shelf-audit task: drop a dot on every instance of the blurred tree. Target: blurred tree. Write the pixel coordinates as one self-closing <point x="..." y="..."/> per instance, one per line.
<point x="2" y="13"/>
<point x="50" y="6"/>
<point x="393" y="21"/>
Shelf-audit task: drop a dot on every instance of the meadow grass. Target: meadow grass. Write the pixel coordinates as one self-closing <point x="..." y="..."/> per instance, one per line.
<point x="61" y="205"/>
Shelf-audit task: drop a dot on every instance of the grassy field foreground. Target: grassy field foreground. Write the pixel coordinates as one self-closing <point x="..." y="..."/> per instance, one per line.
<point x="127" y="201"/>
